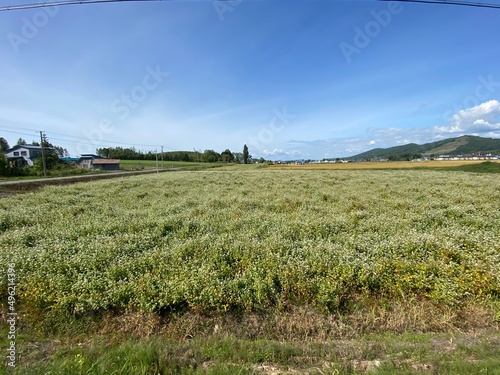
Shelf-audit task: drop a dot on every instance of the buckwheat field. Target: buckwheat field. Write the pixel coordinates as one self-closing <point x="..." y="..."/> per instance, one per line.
<point x="256" y="239"/>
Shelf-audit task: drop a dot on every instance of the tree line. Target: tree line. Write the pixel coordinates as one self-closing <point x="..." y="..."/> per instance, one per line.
<point x="207" y="156"/>
<point x="404" y="157"/>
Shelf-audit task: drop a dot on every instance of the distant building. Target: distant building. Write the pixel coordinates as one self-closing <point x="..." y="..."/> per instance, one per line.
<point x="24" y="154"/>
<point x="92" y="161"/>
<point x="70" y="160"/>
<point x="106" y="164"/>
<point x="476" y="156"/>
<point x="87" y="160"/>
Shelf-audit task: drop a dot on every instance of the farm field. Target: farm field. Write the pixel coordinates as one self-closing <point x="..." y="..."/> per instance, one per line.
<point x="283" y="265"/>
<point x="439" y="164"/>
<point x="151" y="164"/>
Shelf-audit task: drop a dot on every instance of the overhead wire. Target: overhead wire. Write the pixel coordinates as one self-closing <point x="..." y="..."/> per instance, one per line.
<point x="101" y="140"/>
<point x="82" y="140"/>
<point x="21" y="128"/>
<point x="14" y="132"/>
<point x="83" y="2"/>
<point x="447" y="2"/>
<point x="70" y="2"/>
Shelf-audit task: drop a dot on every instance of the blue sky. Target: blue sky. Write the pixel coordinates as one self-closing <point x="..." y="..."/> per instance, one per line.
<point x="291" y="79"/>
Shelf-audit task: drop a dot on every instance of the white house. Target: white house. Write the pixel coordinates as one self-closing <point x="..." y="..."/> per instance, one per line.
<point x="24" y="154"/>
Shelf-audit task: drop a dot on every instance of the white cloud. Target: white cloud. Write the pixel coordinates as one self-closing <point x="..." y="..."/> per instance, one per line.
<point x="281" y="154"/>
<point x="273" y="152"/>
<point x="479" y="119"/>
<point x="482" y="120"/>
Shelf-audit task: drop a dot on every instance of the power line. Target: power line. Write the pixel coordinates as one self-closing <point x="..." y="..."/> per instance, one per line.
<point x="446" y="2"/>
<point x="101" y="141"/>
<point x="10" y="131"/>
<point x="73" y="136"/>
<point x="83" y="2"/>
<point x="21" y="128"/>
<point x="71" y="2"/>
<point x="82" y="140"/>
<point x="97" y="141"/>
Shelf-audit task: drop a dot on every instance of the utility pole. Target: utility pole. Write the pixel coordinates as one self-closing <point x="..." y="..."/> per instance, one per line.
<point x="43" y="155"/>
<point x="162" y="158"/>
<point x="156" y="154"/>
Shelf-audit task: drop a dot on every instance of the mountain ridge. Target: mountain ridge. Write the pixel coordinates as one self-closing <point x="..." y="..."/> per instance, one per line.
<point x="466" y="144"/>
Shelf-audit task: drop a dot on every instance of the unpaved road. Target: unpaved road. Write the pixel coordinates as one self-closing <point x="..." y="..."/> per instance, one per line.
<point x="12" y="187"/>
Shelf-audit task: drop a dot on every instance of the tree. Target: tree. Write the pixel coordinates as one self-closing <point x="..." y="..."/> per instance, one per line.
<point x="211" y="156"/>
<point x="51" y="162"/>
<point x="262" y="160"/>
<point x="238" y="157"/>
<point x="4" y="145"/>
<point x="61" y="152"/>
<point x="227" y="156"/>
<point x="103" y="152"/>
<point x="3" y="165"/>
<point x="45" y="141"/>
<point x="21" y="142"/>
<point x="246" y="156"/>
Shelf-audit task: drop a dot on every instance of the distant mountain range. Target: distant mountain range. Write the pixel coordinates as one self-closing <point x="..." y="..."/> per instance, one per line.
<point x="466" y="144"/>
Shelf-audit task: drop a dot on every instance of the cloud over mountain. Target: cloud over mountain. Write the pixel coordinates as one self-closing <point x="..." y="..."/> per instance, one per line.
<point x="482" y="120"/>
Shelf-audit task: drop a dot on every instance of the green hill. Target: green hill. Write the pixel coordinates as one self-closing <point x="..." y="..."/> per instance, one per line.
<point x="466" y="144"/>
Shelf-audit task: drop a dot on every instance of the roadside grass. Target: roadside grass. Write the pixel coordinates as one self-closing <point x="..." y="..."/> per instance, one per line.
<point x="412" y="353"/>
<point x="404" y="339"/>
<point x="54" y="173"/>
<point x="17" y="178"/>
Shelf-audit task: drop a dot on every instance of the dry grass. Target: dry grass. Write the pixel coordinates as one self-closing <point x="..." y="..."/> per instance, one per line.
<point x="381" y="165"/>
<point x="405" y="337"/>
<point x="306" y="324"/>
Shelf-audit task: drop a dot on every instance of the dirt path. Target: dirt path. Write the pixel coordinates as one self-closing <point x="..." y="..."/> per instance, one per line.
<point x="8" y="188"/>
